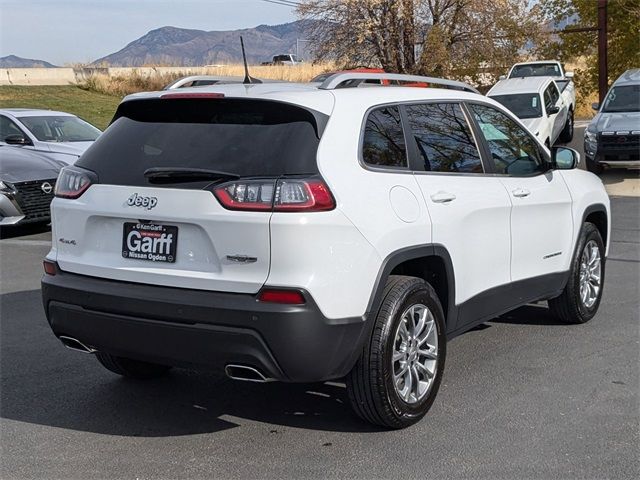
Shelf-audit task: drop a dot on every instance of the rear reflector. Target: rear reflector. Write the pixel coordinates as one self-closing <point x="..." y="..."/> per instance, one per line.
<point x="50" y="268"/>
<point x="172" y="96"/>
<point x="285" y="195"/>
<point x="290" y="297"/>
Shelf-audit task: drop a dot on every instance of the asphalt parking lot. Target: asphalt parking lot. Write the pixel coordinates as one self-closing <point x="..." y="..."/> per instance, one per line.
<point x="523" y="397"/>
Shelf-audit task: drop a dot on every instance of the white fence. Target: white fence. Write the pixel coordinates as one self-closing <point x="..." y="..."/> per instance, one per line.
<point x="67" y="76"/>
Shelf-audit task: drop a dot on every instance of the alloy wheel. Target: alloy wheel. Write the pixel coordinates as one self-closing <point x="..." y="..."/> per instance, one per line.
<point x="415" y="353"/>
<point x="590" y="274"/>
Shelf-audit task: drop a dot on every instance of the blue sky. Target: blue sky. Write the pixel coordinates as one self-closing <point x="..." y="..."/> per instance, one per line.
<point x="68" y="31"/>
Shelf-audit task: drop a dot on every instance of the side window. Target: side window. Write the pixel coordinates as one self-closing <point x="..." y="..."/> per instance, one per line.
<point x="443" y="138"/>
<point x="548" y="98"/>
<point x="383" y="144"/>
<point x="513" y="150"/>
<point x="555" y="95"/>
<point x="7" y="127"/>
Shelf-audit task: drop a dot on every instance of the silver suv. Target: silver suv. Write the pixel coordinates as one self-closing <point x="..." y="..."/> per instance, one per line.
<point x="612" y="139"/>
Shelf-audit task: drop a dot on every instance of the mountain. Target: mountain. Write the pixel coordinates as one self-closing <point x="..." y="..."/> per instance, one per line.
<point x="184" y="47"/>
<point x="12" y="61"/>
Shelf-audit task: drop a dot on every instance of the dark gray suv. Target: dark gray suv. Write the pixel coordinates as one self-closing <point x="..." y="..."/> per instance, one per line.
<point x="27" y="181"/>
<point x="612" y="139"/>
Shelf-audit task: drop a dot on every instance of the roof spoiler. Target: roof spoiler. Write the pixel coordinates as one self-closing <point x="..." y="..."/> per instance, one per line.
<point x="355" y="79"/>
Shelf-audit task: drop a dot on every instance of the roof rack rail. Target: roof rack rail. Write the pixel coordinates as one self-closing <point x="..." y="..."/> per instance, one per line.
<point x="355" y="79"/>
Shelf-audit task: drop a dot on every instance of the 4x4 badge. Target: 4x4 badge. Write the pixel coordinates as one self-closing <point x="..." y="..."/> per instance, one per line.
<point x="136" y="200"/>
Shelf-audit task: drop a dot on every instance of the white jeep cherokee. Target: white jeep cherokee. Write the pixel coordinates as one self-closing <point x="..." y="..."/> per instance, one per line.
<point x="304" y="233"/>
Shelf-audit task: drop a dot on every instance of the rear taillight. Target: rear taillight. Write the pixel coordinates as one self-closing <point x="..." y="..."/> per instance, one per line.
<point x="284" y="195"/>
<point x="246" y="195"/>
<point x="73" y="182"/>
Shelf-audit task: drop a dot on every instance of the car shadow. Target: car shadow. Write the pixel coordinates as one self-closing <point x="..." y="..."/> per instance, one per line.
<point x="534" y="314"/>
<point x="45" y="384"/>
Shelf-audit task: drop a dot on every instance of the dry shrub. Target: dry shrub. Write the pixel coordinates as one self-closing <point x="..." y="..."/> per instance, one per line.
<point x="583" y="104"/>
<point x="139" y="81"/>
<point x="121" y="85"/>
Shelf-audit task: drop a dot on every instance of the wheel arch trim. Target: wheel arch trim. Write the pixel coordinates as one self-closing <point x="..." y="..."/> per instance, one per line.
<point x="413" y="253"/>
<point x="597" y="208"/>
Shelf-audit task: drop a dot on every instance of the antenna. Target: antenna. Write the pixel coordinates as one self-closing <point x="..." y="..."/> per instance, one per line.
<point x="247" y="78"/>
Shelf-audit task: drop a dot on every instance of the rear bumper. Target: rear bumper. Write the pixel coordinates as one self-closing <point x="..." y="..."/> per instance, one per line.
<point x="202" y="329"/>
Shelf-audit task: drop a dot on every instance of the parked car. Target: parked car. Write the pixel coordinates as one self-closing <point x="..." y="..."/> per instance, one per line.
<point x="27" y="181"/>
<point x="538" y="102"/>
<point x="612" y="138"/>
<point x="58" y="135"/>
<point x="548" y="68"/>
<point x="284" y="59"/>
<point x="355" y="233"/>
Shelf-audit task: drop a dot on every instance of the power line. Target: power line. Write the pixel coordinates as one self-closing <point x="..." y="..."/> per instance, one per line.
<point x="286" y="3"/>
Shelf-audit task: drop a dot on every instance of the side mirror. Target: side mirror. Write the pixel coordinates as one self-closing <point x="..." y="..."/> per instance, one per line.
<point x="553" y="110"/>
<point x="568" y="74"/>
<point x="17" y="139"/>
<point x="564" y="158"/>
<point x="502" y="77"/>
<point x="595" y="106"/>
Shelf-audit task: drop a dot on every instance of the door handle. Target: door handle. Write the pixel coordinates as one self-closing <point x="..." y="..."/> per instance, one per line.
<point x="442" y="197"/>
<point x="520" y="192"/>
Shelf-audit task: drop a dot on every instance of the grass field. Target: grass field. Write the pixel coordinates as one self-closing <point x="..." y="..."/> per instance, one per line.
<point x="96" y="108"/>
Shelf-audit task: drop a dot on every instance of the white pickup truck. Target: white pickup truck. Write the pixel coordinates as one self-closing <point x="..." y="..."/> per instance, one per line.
<point x="538" y="102"/>
<point x="547" y="68"/>
<point x="286" y="59"/>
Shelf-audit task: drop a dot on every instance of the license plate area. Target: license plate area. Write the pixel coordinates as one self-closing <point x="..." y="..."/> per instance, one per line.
<point x="150" y="242"/>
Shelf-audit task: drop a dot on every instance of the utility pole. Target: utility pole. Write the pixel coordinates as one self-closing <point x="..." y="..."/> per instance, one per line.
<point x="603" y="69"/>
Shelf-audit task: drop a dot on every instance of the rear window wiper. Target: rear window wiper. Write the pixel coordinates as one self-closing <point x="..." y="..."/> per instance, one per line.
<point x="182" y="174"/>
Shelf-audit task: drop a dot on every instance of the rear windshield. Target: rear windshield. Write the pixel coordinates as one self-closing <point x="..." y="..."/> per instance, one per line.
<point x="536" y="70"/>
<point x="243" y="137"/>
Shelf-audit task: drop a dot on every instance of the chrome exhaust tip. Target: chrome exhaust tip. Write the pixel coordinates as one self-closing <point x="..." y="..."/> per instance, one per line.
<point x="246" y="374"/>
<point x="75" y="344"/>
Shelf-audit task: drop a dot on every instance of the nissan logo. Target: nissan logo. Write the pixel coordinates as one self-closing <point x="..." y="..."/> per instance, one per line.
<point x="46" y="188"/>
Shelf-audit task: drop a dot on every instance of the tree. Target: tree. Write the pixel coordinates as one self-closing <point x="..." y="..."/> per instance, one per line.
<point x="623" y="36"/>
<point x="475" y="40"/>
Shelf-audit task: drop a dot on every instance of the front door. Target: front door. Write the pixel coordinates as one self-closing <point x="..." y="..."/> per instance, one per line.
<point x="541" y="219"/>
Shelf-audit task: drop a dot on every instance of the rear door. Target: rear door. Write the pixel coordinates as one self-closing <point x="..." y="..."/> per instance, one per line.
<point x="173" y="231"/>
<point x="469" y="210"/>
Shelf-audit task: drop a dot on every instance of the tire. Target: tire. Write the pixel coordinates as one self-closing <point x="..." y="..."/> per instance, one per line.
<point x="594" y="167"/>
<point x="131" y="368"/>
<point x="570" y="306"/>
<point x="567" y="132"/>
<point x="371" y="385"/>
